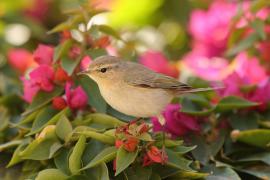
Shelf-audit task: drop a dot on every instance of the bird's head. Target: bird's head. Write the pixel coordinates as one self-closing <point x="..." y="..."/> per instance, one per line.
<point x="105" y="69"/>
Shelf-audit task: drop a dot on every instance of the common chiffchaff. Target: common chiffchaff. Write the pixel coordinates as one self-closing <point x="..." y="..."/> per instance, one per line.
<point x="134" y="89"/>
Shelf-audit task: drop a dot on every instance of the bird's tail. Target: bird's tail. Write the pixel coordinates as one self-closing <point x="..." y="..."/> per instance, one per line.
<point x="199" y="90"/>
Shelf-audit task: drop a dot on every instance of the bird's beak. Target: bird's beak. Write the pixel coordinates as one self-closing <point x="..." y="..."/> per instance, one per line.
<point x="85" y="72"/>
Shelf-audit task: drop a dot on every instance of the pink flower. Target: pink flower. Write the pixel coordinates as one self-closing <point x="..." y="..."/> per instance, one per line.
<point x="249" y="80"/>
<point x="211" y="69"/>
<point x="157" y="62"/>
<point x="262" y="93"/>
<point x="232" y="85"/>
<point x="41" y="78"/>
<point x="30" y="89"/>
<point x="43" y="54"/>
<point x="211" y="28"/>
<point x="38" y="9"/>
<point x="85" y="62"/>
<point x="177" y="123"/>
<point x="20" y="59"/>
<point x="76" y="98"/>
<point x="250" y="68"/>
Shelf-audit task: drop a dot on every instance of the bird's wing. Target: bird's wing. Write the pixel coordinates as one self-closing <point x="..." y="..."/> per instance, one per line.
<point x="144" y="77"/>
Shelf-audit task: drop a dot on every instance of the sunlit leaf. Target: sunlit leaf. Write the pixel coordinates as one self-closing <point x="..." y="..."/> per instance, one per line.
<point x="52" y="174"/>
<point x="75" y="161"/>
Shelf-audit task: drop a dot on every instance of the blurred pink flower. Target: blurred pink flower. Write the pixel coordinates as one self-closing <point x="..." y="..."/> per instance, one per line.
<point x="30" y="89"/>
<point x="211" y="69"/>
<point x="85" y="62"/>
<point x="249" y="16"/>
<point x="249" y="80"/>
<point x="158" y="62"/>
<point x="38" y="9"/>
<point x="211" y="28"/>
<point x="20" y="59"/>
<point x="232" y="85"/>
<point x="41" y="78"/>
<point x="43" y="54"/>
<point x="250" y="68"/>
<point x="262" y="93"/>
<point x="177" y="123"/>
<point x="76" y="98"/>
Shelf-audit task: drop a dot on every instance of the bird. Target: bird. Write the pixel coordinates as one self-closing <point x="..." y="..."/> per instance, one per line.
<point x="134" y="89"/>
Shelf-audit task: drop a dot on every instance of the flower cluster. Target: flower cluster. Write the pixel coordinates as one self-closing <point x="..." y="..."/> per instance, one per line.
<point x="135" y="136"/>
<point x="177" y="123"/>
<point x="44" y="75"/>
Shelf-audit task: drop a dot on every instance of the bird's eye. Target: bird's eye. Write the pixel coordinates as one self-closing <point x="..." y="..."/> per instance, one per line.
<point x="103" y="70"/>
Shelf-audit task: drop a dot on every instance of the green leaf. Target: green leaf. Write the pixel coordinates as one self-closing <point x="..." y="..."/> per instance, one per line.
<point x="109" y="121"/>
<point x="233" y="102"/>
<point x="52" y="174"/>
<point x="43" y="117"/>
<point x="92" y="149"/>
<point x="99" y="172"/>
<point x="254" y="137"/>
<point x="222" y="173"/>
<point x="94" y="97"/>
<point x="16" y="158"/>
<point x="124" y="159"/>
<point x="262" y="172"/>
<point x="61" y="160"/>
<point x="177" y="161"/>
<point x="60" y="27"/>
<point x="10" y="144"/>
<point x="190" y="105"/>
<point x="69" y="65"/>
<point x="155" y="176"/>
<point x="4" y="118"/>
<point x="61" y="50"/>
<point x="262" y="157"/>
<point x="108" y="30"/>
<point x="76" y="155"/>
<point x="29" y="118"/>
<point x="43" y="147"/>
<point x="188" y="175"/>
<point x="244" y="122"/>
<point x="105" y="156"/>
<point x="98" y="136"/>
<point x="145" y="137"/>
<point x="183" y="149"/>
<point x="243" y="44"/>
<point x="203" y="152"/>
<point x="136" y="172"/>
<point x="258" y="26"/>
<point x="72" y="22"/>
<point x="258" y="5"/>
<point x="63" y="128"/>
<point x="41" y="99"/>
<point x="95" y="53"/>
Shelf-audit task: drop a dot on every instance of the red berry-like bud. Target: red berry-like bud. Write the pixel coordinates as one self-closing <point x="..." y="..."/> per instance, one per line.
<point x="131" y="144"/>
<point x="59" y="103"/>
<point x="118" y="143"/>
<point x="61" y="76"/>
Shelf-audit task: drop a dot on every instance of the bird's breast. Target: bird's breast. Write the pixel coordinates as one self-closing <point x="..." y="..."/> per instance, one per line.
<point x="136" y="101"/>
